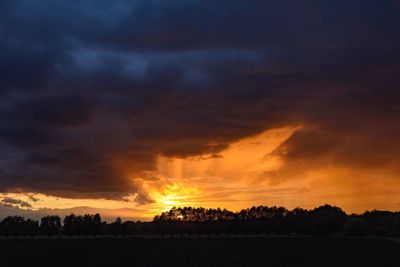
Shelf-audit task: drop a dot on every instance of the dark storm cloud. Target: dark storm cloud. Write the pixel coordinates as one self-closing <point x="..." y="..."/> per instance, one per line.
<point x="15" y="202"/>
<point x="92" y="91"/>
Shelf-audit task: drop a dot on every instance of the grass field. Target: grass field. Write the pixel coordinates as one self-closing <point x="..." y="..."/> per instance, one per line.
<point x="271" y="251"/>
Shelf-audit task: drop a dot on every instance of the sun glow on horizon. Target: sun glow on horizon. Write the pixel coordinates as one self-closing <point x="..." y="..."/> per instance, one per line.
<point x="182" y="182"/>
<point x="237" y="179"/>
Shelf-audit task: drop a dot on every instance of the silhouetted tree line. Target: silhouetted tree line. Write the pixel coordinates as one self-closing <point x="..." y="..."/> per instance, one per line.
<point x="324" y="220"/>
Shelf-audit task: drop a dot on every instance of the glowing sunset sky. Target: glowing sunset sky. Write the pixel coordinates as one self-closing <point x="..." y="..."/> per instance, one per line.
<point x="129" y="108"/>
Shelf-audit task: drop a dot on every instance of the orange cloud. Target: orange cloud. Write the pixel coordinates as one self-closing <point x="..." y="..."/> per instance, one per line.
<point x="242" y="175"/>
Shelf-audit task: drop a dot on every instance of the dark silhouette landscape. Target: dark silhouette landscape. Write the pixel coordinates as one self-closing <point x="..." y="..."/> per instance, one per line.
<point x="257" y="236"/>
<point x="201" y="222"/>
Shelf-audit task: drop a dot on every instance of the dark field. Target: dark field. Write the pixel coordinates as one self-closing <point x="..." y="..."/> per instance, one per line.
<point x="279" y="251"/>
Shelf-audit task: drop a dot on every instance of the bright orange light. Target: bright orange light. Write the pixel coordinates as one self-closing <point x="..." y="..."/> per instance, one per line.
<point x="235" y="180"/>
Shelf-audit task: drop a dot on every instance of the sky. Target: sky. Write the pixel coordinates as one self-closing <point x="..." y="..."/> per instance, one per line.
<point x="129" y="108"/>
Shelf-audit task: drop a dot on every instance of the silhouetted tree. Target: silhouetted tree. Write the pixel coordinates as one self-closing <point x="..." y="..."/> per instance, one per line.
<point x="13" y="226"/>
<point x="50" y="225"/>
<point x="355" y="225"/>
<point x="396" y="225"/>
<point x="96" y="224"/>
<point x="116" y="227"/>
<point x="31" y="227"/>
<point x="326" y="220"/>
<point x="297" y="221"/>
<point x="380" y="222"/>
<point x="70" y="225"/>
<point x="77" y="225"/>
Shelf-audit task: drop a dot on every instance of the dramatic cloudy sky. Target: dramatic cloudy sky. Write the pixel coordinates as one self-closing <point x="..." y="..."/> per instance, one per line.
<point x="136" y="106"/>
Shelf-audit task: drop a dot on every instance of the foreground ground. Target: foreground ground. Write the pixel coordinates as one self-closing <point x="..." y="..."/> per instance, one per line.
<point x="279" y="251"/>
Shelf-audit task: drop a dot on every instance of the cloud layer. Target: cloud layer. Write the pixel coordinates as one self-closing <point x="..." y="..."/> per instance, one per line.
<point x="92" y="92"/>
